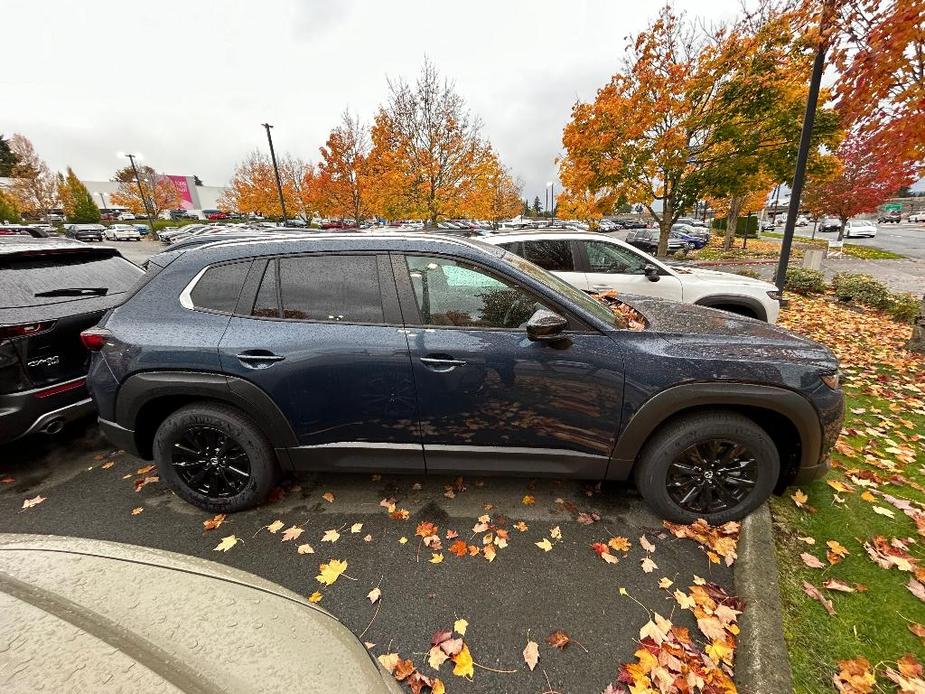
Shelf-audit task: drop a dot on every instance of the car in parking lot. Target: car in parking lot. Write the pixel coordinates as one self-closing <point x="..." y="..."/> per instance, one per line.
<point x="599" y="263"/>
<point x="891" y="217"/>
<point x="693" y="236"/>
<point x="647" y="240"/>
<point x="86" y="232"/>
<point x="828" y="224"/>
<point x="51" y="290"/>
<point x="860" y="227"/>
<point x="916" y="217"/>
<point x="122" y="232"/>
<point x="420" y="353"/>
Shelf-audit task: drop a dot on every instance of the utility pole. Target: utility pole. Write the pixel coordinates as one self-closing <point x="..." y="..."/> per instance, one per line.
<point x="799" y="175"/>
<point x="141" y="191"/>
<point x="279" y="185"/>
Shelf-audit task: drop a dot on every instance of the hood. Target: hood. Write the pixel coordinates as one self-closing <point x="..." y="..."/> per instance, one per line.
<point x="699" y="332"/>
<point x="718" y="276"/>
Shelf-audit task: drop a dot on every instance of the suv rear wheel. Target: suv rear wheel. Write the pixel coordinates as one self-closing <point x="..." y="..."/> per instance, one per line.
<point x="718" y="466"/>
<point x="215" y="457"/>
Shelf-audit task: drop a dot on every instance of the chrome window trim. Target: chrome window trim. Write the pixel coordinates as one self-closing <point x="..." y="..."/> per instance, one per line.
<point x="186" y="299"/>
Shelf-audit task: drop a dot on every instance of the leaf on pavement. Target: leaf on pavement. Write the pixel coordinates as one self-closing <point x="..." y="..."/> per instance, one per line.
<point x="330" y="536"/>
<point x="489" y="552"/>
<point x="544" y="544"/>
<point x="374" y="595"/>
<point x="226" y="543"/>
<point x="460" y="626"/>
<point x="531" y="654"/>
<point x="459" y="548"/>
<point x="137" y="510"/>
<point x="145" y="481"/>
<point x="436" y="657"/>
<point x="559" y="639"/>
<point x="648" y="565"/>
<point x="463" y="663"/>
<point x="436" y="558"/>
<point x="292" y="533"/>
<point x="306" y="549"/>
<point x="213" y="522"/>
<point x="389" y="661"/>
<point x="328" y="496"/>
<point x="528" y="500"/>
<point x="645" y="544"/>
<point x="621" y="544"/>
<point x="275" y="526"/>
<point x="814" y="593"/>
<point x="331" y="571"/>
<point x="521" y="526"/>
<point x="356" y="527"/>
<point x="403" y="669"/>
<point x="315" y="597"/>
<point x="555" y="533"/>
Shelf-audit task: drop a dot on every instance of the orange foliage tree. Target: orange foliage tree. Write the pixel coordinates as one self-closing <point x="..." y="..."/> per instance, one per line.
<point x="494" y="194"/>
<point x="159" y="191"/>
<point x="34" y="188"/>
<point x="253" y="187"/>
<point x="343" y="180"/>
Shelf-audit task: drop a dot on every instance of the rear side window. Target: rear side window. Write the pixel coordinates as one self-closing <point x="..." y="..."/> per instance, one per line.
<point x="57" y="277"/>
<point x="553" y="255"/>
<point x="219" y="287"/>
<point x="266" y="305"/>
<point x="342" y="288"/>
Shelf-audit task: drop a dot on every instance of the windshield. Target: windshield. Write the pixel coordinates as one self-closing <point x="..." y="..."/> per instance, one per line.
<point x="597" y="308"/>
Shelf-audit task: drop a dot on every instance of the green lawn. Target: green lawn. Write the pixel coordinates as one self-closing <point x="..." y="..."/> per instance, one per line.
<point x="850" y="249"/>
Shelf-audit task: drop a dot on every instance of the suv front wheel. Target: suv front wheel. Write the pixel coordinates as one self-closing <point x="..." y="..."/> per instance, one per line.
<point x="215" y="457"/>
<point x="718" y="466"/>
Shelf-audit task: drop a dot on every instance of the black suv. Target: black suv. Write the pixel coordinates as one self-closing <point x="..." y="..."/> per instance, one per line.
<point x="51" y="290"/>
<point x="647" y="240"/>
<point x="422" y="353"/>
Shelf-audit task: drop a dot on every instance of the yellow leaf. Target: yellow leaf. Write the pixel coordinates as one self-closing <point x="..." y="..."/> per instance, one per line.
<point x="623" y="591"/>
<point x="436" y="657"/>
<point x="619" y="543"/>
<point x="799" y="498"/>
<point x="331" y="571"/>
<point x="306" y="549"/>
<point x="436" y="558"/>
<point x="356" y="527"/>
<point x="330" y="536"/>
<point x="555" y="533"/>
<point x="719" y="651"/>
<point x="463" y="660"/>
<point x="528" y="501"/>
<point x="489" y="552"/>
<point x="137" y="510"/>
<point x="402" y="540"/>
<point x="226" y="544"/>
<point x="438" y="687"/>
<point x="374" y="594"/>
<point x="868" y="497"/>
<point x="292" y="533"/>
<point x="544" y="544"/>
<point x="648" y="565"/>
<point x="315" y="597"/>
<point x="665" y="583"/>
<point x="275" y="526"/>
<point x="459" y="626"/>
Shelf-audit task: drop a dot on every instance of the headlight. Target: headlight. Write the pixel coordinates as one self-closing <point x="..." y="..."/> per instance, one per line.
<point x="831" y="380"/>
<point x="774" y="294"/>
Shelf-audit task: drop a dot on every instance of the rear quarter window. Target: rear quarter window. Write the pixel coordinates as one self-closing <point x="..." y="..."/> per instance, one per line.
<point x="218" y="289"/>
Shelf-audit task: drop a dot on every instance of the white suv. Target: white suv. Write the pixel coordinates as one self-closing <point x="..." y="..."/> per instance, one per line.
<point x="597" y="263"/>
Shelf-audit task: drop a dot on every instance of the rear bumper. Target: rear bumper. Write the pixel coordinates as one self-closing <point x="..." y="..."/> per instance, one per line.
<point x="29" y="412"/>
<point x="805" y="475"/>
<point x="119" y="436"/>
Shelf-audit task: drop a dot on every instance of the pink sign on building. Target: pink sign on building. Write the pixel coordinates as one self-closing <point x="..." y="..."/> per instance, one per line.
<point x="181" y="183"/>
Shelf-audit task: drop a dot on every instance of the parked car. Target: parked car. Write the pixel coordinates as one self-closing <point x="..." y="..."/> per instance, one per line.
<point x="829" y="224"/>
<point x="15" y="230"/>
<point x="767" y="225"/>
<point x="238" y="360"/>
<point x="75" y="621"/>
<point x="802" y="221"/>
<point x="647" y="240"/>
<point x="86" y="232"/>
<point x="892" y="217"/>
<point x="917" y="217"/>
<point x="694" y="237"/>
<point x="127" y="216"/>
<point x="215" y="214"/>
<point x="632" y="223"/>
<point x="597" y="263"/>
<point x="122" y="232"/>
<point x="860" y="227"/>
<point x="692" y="221"/>
<point x="296" y="223"/>
<point x="143" y="229"/>
<point x="51" y="289"/>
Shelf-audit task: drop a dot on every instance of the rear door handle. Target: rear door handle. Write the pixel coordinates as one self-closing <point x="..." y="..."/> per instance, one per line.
<point x="259" y="359"/>
<point x="441" y="363"/>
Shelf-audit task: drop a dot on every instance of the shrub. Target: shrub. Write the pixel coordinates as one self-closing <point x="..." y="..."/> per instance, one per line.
<point x="804" y="281"/>
<point x="740" y="226"/>
<point x="861" y="289"/>
<point x="745" y="272"/>
<point x="905" y="307"/>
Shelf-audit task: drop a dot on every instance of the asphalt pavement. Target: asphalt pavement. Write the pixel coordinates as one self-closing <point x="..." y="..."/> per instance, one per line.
<point x="524" y="594"/>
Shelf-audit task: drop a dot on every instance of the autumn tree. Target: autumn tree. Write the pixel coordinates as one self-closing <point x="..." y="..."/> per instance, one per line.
<point x="8" y="210"/>
<point x="7" y="158"/>
<point x="76" y="200"/>
<point x="427" y="149"/>
<point x="34" y="186"/>
<point x="343" y="179"/>
<point x="494" y="194"/>
<point x="253" y="186"/>
<point x="869" y="172"/>
<point x="159" y="192"/>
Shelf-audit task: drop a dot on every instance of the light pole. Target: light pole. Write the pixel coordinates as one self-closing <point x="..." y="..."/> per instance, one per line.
<point x="279" y="185"/>
<point x="141" y="192"/>
<point x="552" y="201"/>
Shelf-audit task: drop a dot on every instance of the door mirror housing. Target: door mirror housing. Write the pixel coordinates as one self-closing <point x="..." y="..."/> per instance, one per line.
<point x="651" y="273"/>
<point x="546" y="326"/>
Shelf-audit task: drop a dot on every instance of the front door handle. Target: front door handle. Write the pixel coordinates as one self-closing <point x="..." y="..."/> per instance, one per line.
<point x="441" y="363"/>
<point x="258" y="358"/>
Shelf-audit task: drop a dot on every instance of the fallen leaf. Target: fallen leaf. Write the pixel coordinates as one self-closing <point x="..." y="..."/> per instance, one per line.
<point x="916" y="588"/>
<point x="402" y="540"/>
<point x="648" y="565"/>
<point x="883" y="511"/>
<point x="646" y="545"/>
<point x="459" y="548"/>
<point x="437" y="687"/>
<point x="619" y="543"/>
<point x="489" y="552"/>
<point x="854" y="677"/>
<point x="544" y="544"/>
<point x="315" y="597"/>
<point x="814" y="593"/>
<point x="330" y="536"/>
<point x="356" y="527"/>
<point x="145" y="481"/>
<point x="459" y="626"/>
<point x="436" y="558"/>
<point x="531" y="654"/>
<point x="451" y="646"/>
<point x="403" y="669"/>
<point x="137" y="510"/>
<point x="665" y="583"/>
<point x="528" y="501"/>
<point x="213" y="522"/>
<point x="835" y="584"/>
<point x="374" y="595"/>
<point x="559" y="639"/>
<point x="685" y="601"/>
<point x="144" y="470"/>
<point x="436" y="657"/>
<point x="226" y="543"/>
<point x="292" y="533"/>
<point x="555" y="533"/>
<point x="328" y="496"/>
<point x="367" y="538"/>
<point x="463" y="663"/>
<point x="799" y="498"/>
<point x="521" y="526"/>
<point x="306" y="549"/>
<point x="275" y="526"/>
<point x="811" y="561"/>
<point x="331" y="571"/>
<point x="389" y="661"/>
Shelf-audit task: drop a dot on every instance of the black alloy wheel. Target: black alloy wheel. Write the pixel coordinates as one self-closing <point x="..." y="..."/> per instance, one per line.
<point x="210" y="462"/>
<point x="711" y="476"/>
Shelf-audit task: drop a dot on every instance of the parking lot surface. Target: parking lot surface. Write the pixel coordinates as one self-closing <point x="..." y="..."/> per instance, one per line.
<point x="524" y="593"/>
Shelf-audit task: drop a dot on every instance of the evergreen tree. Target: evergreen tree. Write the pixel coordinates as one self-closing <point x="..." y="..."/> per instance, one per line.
<point x="8" y="210"/>
<point x="78" y="203"/>
<point x="537" y="207"/>
<point x="526" y="210"/>
<point x="8" y="158"/>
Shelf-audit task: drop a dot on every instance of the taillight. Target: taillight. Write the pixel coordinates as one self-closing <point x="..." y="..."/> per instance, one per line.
<point x="95" y="338"/>
<point x="25" y="329"/>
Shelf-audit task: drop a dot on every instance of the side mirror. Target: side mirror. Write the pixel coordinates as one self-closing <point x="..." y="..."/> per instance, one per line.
<point x="651" y="273"/>
<point x="545" y="326"/>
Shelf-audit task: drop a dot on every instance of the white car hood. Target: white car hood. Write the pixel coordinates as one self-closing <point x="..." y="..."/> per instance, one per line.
<point x="715" y="277"/>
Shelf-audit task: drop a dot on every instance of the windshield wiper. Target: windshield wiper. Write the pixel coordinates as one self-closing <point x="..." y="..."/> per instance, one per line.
<point x="75" y="291"/>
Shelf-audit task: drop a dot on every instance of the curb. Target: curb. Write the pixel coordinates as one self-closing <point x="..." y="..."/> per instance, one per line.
<point x="762" y="664"/>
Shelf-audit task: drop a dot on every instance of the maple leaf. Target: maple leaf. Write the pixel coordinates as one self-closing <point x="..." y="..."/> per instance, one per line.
<point x="555" y="533"/>
<point x="460" y="626"/>
<point x="648" y="565"/>
<point x="315" y="597"/>
<point x="226" y="543"/>
<point x="463" y="663"/>
<point x="292" y="533"/>
<point x="328" y="496"/>
<point x="799" y="498"/>
<point x="685" y="601"/>
<point x="275" y="526"/>
<point x="436" y="558"/>
<point x="306" y="549"/>
<point x="331" y="571"/>
<point x="426" y="529"/>
<point x="437" y="687"/>
<point x="403" y="669"/>
<point x="145" y="481"/>
<point x="389" y="661"/>
<point x="584" y="518"/>
<point x="621" y="544"/>
<point x="144" y="470"/>
<point x="645" y="544"/>
<point x="213" y="522"/>
<point x="834" y="584"/>
<point x="711" y="627"/>
<point x="137" y="510"/>
<point x="559" y="639"/>
<point x="459" y="548"/>
<point x="356" y="527"/>
<point x="720" y="651"/>
<point x="451" y="646"/>
<point x="811" y="561"/>
<point x="436" y="657"/>
<point x="330" y="536"/>
<point x="814" y="593"/>
<point x="854" y="677"/>
<point x="528" y="501"/>
<point x="531" y="654"/>
<point x="521" y="526"/>
<point x="451" y="535"/>
<point x="665" y="583"/>
<point x="374" y="595"/>
<point x="489" y="552"/>
<point x="544" y="544"/>
<point x="400" y="514"/>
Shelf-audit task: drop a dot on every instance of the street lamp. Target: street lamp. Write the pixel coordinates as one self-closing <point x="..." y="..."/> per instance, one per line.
<point x="141" y="190"/>
<point x="279" y="185"/>
<point x="552" y="200"/>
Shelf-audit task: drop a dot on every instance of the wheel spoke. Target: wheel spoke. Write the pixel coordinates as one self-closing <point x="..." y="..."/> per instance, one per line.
<point x="210" y="462"/>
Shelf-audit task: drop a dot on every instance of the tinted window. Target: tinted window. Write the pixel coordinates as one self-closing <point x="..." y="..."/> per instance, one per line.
<point x="267" y="301"/>
<point x="457" y="294"/>
<point x="552" y="255"/>
<point x="611" y="258"/>
<point x="23" y="276"/>
<point x="219" y="287"/>
<point x="331" y="288"/>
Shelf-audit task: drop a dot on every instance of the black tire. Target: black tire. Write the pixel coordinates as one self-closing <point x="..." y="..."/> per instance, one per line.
<point x="240" y="431"/>
<point x="662" y="452"/>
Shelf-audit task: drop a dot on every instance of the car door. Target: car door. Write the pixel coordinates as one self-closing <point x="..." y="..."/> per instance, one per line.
<point x="612" y="266"/>
<point x="492" y="400"/>
<point x="322" y="335"/>
<point x="554" y="255"/>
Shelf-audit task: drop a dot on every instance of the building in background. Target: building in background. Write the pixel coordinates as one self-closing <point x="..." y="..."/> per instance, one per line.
<point x="193" y="197"/>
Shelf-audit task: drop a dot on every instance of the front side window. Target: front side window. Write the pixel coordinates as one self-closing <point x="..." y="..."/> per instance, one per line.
<point x="554" y="255"/>
<point x="340" y="288"/>
<point x="611" y="258"/>
<point x="450" y="293"/>
<point x="219" y="287"/>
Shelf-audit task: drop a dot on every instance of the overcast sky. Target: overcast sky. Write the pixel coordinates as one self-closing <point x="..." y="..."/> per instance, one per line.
<point x="188" y="83"/>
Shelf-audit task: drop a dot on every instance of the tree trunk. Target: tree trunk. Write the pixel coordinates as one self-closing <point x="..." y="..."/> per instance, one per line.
<point x="732" y="220"/>
<point x="664" y="231"/>
<point x="841" y="230"/>
<point x="916" y="343"/>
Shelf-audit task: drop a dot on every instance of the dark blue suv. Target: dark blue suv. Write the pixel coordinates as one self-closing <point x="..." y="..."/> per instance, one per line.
<point x="240" y="359"/>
